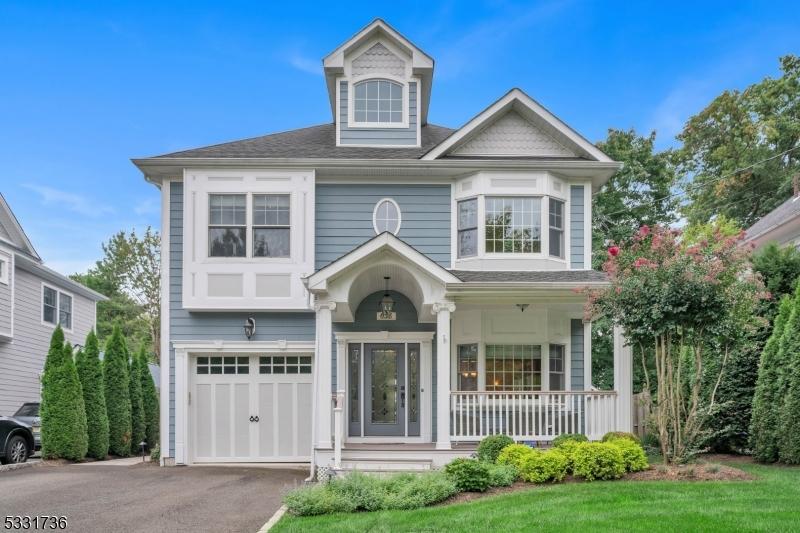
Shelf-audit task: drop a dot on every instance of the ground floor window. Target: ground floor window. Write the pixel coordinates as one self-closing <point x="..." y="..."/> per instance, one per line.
<point x="557" y="354"/>
<point x="513" y="367"/>
<point x="468" y="367"/>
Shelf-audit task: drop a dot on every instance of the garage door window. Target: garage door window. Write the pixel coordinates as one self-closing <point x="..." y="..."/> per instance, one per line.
<point x="223" y="365"/>
<point x="284" y="364"/>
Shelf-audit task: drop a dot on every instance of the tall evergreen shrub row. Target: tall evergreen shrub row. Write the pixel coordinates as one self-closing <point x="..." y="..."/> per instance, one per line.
<point x="137" y="405"/>
<point x="118" y="397"/>
<point x="150" y="401"/>
<point x="90" y="372"/>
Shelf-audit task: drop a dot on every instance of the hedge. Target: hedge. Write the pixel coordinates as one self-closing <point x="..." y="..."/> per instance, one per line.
<point x="150" y="401"/>
<point x="90" y="373"/>
<point x="138" y="428"/>
<point x="117" y="392"/>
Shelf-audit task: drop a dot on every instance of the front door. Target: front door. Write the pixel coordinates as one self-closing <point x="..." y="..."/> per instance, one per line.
<point x="385" y="388"/>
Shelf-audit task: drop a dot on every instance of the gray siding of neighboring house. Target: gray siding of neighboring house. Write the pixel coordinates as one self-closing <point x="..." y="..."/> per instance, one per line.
<point x="577" y="213"/>
<point x="576" y="357"/>
<point x="5" y="305"/>
<point x="184" y="325"/>
<point x="406" y="320"/>
<point x="378" y="136"/>
<point x="22" y="359"/>
<point x="344" y="218"/>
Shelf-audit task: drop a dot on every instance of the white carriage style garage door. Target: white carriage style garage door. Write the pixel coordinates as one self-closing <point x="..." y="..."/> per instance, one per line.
<point x="251" y="408"/>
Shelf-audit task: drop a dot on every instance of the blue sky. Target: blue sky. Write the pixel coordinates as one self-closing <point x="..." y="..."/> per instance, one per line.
<point x="86" y="86"/>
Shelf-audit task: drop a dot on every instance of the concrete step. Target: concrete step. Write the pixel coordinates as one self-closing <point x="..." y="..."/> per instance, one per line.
<point x="371" y="464"/>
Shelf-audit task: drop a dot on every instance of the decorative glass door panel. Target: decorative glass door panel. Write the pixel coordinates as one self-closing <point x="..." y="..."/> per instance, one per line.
<point x="385" y="388"/>
<point x="413" y="390"/>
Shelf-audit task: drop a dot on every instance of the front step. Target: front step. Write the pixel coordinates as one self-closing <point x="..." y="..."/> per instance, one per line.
<point x="369" y="464"/>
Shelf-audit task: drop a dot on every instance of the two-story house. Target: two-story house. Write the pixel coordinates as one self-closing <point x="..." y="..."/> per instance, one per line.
<point x="33" y="300"/>
<point x="380" y="292"/>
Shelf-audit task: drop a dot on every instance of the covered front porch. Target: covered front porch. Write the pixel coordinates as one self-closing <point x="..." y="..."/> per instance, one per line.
<point x="449" y="362"/>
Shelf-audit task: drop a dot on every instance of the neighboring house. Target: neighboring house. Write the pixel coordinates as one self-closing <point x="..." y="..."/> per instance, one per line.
<point x="380" y="292"/>
<point x="33" y="299"/>
<point x="781" y="225"/>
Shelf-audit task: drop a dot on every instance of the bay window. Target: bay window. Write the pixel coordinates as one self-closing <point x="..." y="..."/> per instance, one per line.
<point x="556" y="228"/>
<point x="467" y="227"/>
<point x="269" y="228"/>
<point x="513" y="224"/>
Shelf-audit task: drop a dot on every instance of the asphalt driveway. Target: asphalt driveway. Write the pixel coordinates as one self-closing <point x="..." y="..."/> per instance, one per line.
<point x="145" y="497"/>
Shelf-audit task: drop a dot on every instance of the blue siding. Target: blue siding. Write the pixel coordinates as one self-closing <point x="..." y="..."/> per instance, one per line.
<point x="577" y="215"/>
<point x="344" y="218"/>
<point x="378" y="136"/>
<point x="366" y="321"/>
<point x="576" y="357"/>
<point x="184" y="325"/>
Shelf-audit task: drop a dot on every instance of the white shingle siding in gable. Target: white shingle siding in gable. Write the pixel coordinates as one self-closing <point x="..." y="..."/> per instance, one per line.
<point x="513" y="135"/>
<point x="378" y="60"/>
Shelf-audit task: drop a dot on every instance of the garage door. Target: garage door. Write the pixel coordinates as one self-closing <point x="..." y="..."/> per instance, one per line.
<point x="251" y="408"/>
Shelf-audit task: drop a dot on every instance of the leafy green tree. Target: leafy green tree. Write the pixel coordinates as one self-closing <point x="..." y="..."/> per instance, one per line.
<point x="740" y="153"/>
<point x="767" y="405"/>
<point x="780" y="270"/>
<point x="117" y="393"/>
<point x="90" y="373"/>
<point x="138" y="425"/>
<point x="150" y="401"/>
<point x="63" y="417"/>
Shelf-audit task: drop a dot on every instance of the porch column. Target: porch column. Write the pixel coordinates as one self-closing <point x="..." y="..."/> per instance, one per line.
<point x="623" y="381"/>
<point x="323" y="363"/>
<point x="442" y="312"/>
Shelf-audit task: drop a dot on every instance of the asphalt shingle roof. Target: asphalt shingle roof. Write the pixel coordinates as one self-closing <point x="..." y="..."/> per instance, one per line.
<point x="781" y="214"/>
<point x="312" y="142"/>
<point x="551" y="276"/>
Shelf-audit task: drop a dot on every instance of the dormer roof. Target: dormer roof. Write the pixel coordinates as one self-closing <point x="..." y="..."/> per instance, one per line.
<point x="421" y="63"/>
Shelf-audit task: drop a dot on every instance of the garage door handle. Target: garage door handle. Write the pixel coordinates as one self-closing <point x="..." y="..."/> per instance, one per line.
<point x="253" y="419"/>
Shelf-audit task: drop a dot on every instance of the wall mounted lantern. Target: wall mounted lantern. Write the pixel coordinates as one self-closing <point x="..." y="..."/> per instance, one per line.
<point x="249" y="327"/>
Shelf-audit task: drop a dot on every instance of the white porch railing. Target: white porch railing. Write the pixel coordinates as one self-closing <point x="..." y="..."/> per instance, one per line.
<point x="531" y="415"/>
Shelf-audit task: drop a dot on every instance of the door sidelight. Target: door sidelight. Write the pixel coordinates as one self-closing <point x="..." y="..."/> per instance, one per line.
<point x="402" y="395"/>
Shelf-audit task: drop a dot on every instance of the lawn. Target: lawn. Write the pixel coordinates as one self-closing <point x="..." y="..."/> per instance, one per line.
<point x="769" y="503"/>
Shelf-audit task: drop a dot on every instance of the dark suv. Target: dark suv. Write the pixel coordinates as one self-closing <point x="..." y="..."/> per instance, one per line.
<point x="16" y="441"/>
<point x="29" y="414"/>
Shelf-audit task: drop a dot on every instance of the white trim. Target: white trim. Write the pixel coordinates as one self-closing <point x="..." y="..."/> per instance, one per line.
<point x="5" y="268"/>
<point x="375" y="215"/>
<point x="59" y="292"/>
<point x="385" y="336"/>
<point x="164" y="362"/>
<point x="404" y="97"/>
<point x="516" y="97"/>
<point x="245" y="346"/>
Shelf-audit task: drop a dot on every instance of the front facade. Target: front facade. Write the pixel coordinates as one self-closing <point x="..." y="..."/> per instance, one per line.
<point x="33" y="300"/>
<point x="381" y="290"/>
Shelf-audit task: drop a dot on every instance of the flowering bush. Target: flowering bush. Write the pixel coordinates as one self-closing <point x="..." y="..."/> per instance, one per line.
<point x="684" y="301"/>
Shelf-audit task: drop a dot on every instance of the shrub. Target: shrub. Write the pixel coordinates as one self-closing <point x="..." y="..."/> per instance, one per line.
<point x="155" y="453"/>
<point x="502" y="475"/>
<point x="615" y="435"/>
<point x="137" y="405"/>
<point x="650" y="442"/>
<point x="469" y="475"/>
<point x="491" y="446"/>
<point x="541" y="467"/>
<point x="360" y="492"/>
<point x="150" y="401"/>
<point x="63" y="415"/>
<point x="569" y="437"/>
<point x="632" y="454"/>
<point x="514" y="454"/>
<point x="118" y="398"/>
<point x="568" y="449"/>
<point x="90" y="373"/>
<point x="598" y="460"/>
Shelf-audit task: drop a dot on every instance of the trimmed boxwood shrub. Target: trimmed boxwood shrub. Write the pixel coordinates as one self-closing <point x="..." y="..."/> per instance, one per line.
<point x="569" y="437"/>
<point x="469" y="475"/>
<point x="360" y="492"/>
<point x="568" y="449"/>
<point x="541" y="467"/>
<point x="63" y="415"/>
<point x="118" y="397"/>
<point x="597" y="460"/>
<point x="502" y="475"/>
<point x="614" y="435"/>
<point x="514" y="454"/>
<point x="90" y="373"/>
<point x="491" y="446"/>
<point x="632" y="454"/>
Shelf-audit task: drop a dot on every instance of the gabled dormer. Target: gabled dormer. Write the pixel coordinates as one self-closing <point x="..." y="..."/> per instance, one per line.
<point x="379" y="84"/>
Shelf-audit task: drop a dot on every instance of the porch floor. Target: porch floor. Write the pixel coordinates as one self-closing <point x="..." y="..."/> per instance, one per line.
<point x="465" y="447"/>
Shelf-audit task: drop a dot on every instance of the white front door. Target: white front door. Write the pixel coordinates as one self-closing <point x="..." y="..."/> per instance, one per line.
<point x="251" y="408"/>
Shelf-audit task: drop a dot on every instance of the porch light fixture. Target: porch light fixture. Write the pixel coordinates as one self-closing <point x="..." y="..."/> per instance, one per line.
<point x="386" y="305"/>
<point x="249" y="327"/>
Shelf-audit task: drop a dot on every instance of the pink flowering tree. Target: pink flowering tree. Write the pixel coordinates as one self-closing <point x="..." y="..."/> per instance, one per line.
<point x="681" y="304"/>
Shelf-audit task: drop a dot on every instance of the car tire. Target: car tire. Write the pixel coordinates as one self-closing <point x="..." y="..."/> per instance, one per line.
<point x="17" y="450"/>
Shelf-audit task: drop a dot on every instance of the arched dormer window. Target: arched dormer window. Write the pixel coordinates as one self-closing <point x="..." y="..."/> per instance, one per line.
<point x="378" y="102"/>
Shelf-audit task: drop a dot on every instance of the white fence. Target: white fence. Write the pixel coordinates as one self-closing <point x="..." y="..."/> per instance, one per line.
<point x="538" y="416"/>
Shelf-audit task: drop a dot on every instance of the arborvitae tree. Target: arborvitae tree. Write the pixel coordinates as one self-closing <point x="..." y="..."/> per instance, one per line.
<point x="766" y="403"/>
<point x="64" y="434"/>
<point x="90" y="372"/>
<point x="56" y="350"/>
<point x="789" y="440"/>
<point x="150" y="401"/>
<point x="137" y="405"/>
<point x="117" y="392"/>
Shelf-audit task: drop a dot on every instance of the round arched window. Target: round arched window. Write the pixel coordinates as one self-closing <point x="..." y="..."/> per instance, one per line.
<point x="386" y="216"/>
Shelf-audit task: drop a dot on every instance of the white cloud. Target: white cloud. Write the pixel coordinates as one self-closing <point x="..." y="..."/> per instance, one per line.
<point x="76" y="203"/>
<point x="305" y="64"/>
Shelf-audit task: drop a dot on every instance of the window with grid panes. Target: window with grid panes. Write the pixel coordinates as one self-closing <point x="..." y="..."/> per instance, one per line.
<point x="513" y="367"/>
<point x="513" y="225"/>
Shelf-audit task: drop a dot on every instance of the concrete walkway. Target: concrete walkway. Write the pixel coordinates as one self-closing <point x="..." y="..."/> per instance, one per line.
<point x="144" y="497"/>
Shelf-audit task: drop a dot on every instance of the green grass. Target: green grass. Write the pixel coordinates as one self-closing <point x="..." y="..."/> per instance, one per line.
<point x="769" y="503"/>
